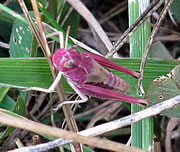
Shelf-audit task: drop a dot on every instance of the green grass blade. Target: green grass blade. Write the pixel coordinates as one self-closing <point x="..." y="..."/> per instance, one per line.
<point x="13" y="13"/>
<point x="35" y="71"/>
<point x="3" y="92"/>
<point x="142" y="131"/>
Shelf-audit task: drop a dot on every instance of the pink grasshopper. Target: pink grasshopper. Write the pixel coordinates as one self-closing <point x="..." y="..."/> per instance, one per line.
<point x="86" y="74"/>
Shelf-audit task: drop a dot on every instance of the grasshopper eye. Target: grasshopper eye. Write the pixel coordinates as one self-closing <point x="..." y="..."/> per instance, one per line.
<point x="69" y="64"/>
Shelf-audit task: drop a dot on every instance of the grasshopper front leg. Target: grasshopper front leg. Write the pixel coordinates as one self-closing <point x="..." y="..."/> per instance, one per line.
<point x="82" y="96"/>
<point x="56" y="81"/>
<point x="51" y="88"/>
<point x="54" y="85"/>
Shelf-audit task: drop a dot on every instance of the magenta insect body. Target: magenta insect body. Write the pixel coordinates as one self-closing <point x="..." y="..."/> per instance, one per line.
<point x="86" y="72"/>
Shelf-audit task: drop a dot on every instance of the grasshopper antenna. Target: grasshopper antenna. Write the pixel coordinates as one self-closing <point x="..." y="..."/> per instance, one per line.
<point x="61" y="40"/>
<point x="67" y="35"/>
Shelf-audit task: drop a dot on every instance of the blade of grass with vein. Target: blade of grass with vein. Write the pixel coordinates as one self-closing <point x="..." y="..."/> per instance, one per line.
<point x="27" y="72"/>
<point x="13" y="13"/>
<point x="142" y="131"/>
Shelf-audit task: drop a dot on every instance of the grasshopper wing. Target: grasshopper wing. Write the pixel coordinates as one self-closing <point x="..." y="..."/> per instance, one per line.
<point x="107" y="63"/>
<point x="99" y="92"/>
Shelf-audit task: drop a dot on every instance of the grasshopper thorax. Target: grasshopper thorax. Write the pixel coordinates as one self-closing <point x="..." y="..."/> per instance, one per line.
<point x="66" y="60"/>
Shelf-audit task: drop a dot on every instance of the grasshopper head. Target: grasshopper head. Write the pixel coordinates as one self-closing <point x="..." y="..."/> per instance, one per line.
<point x="66" y="60"/>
